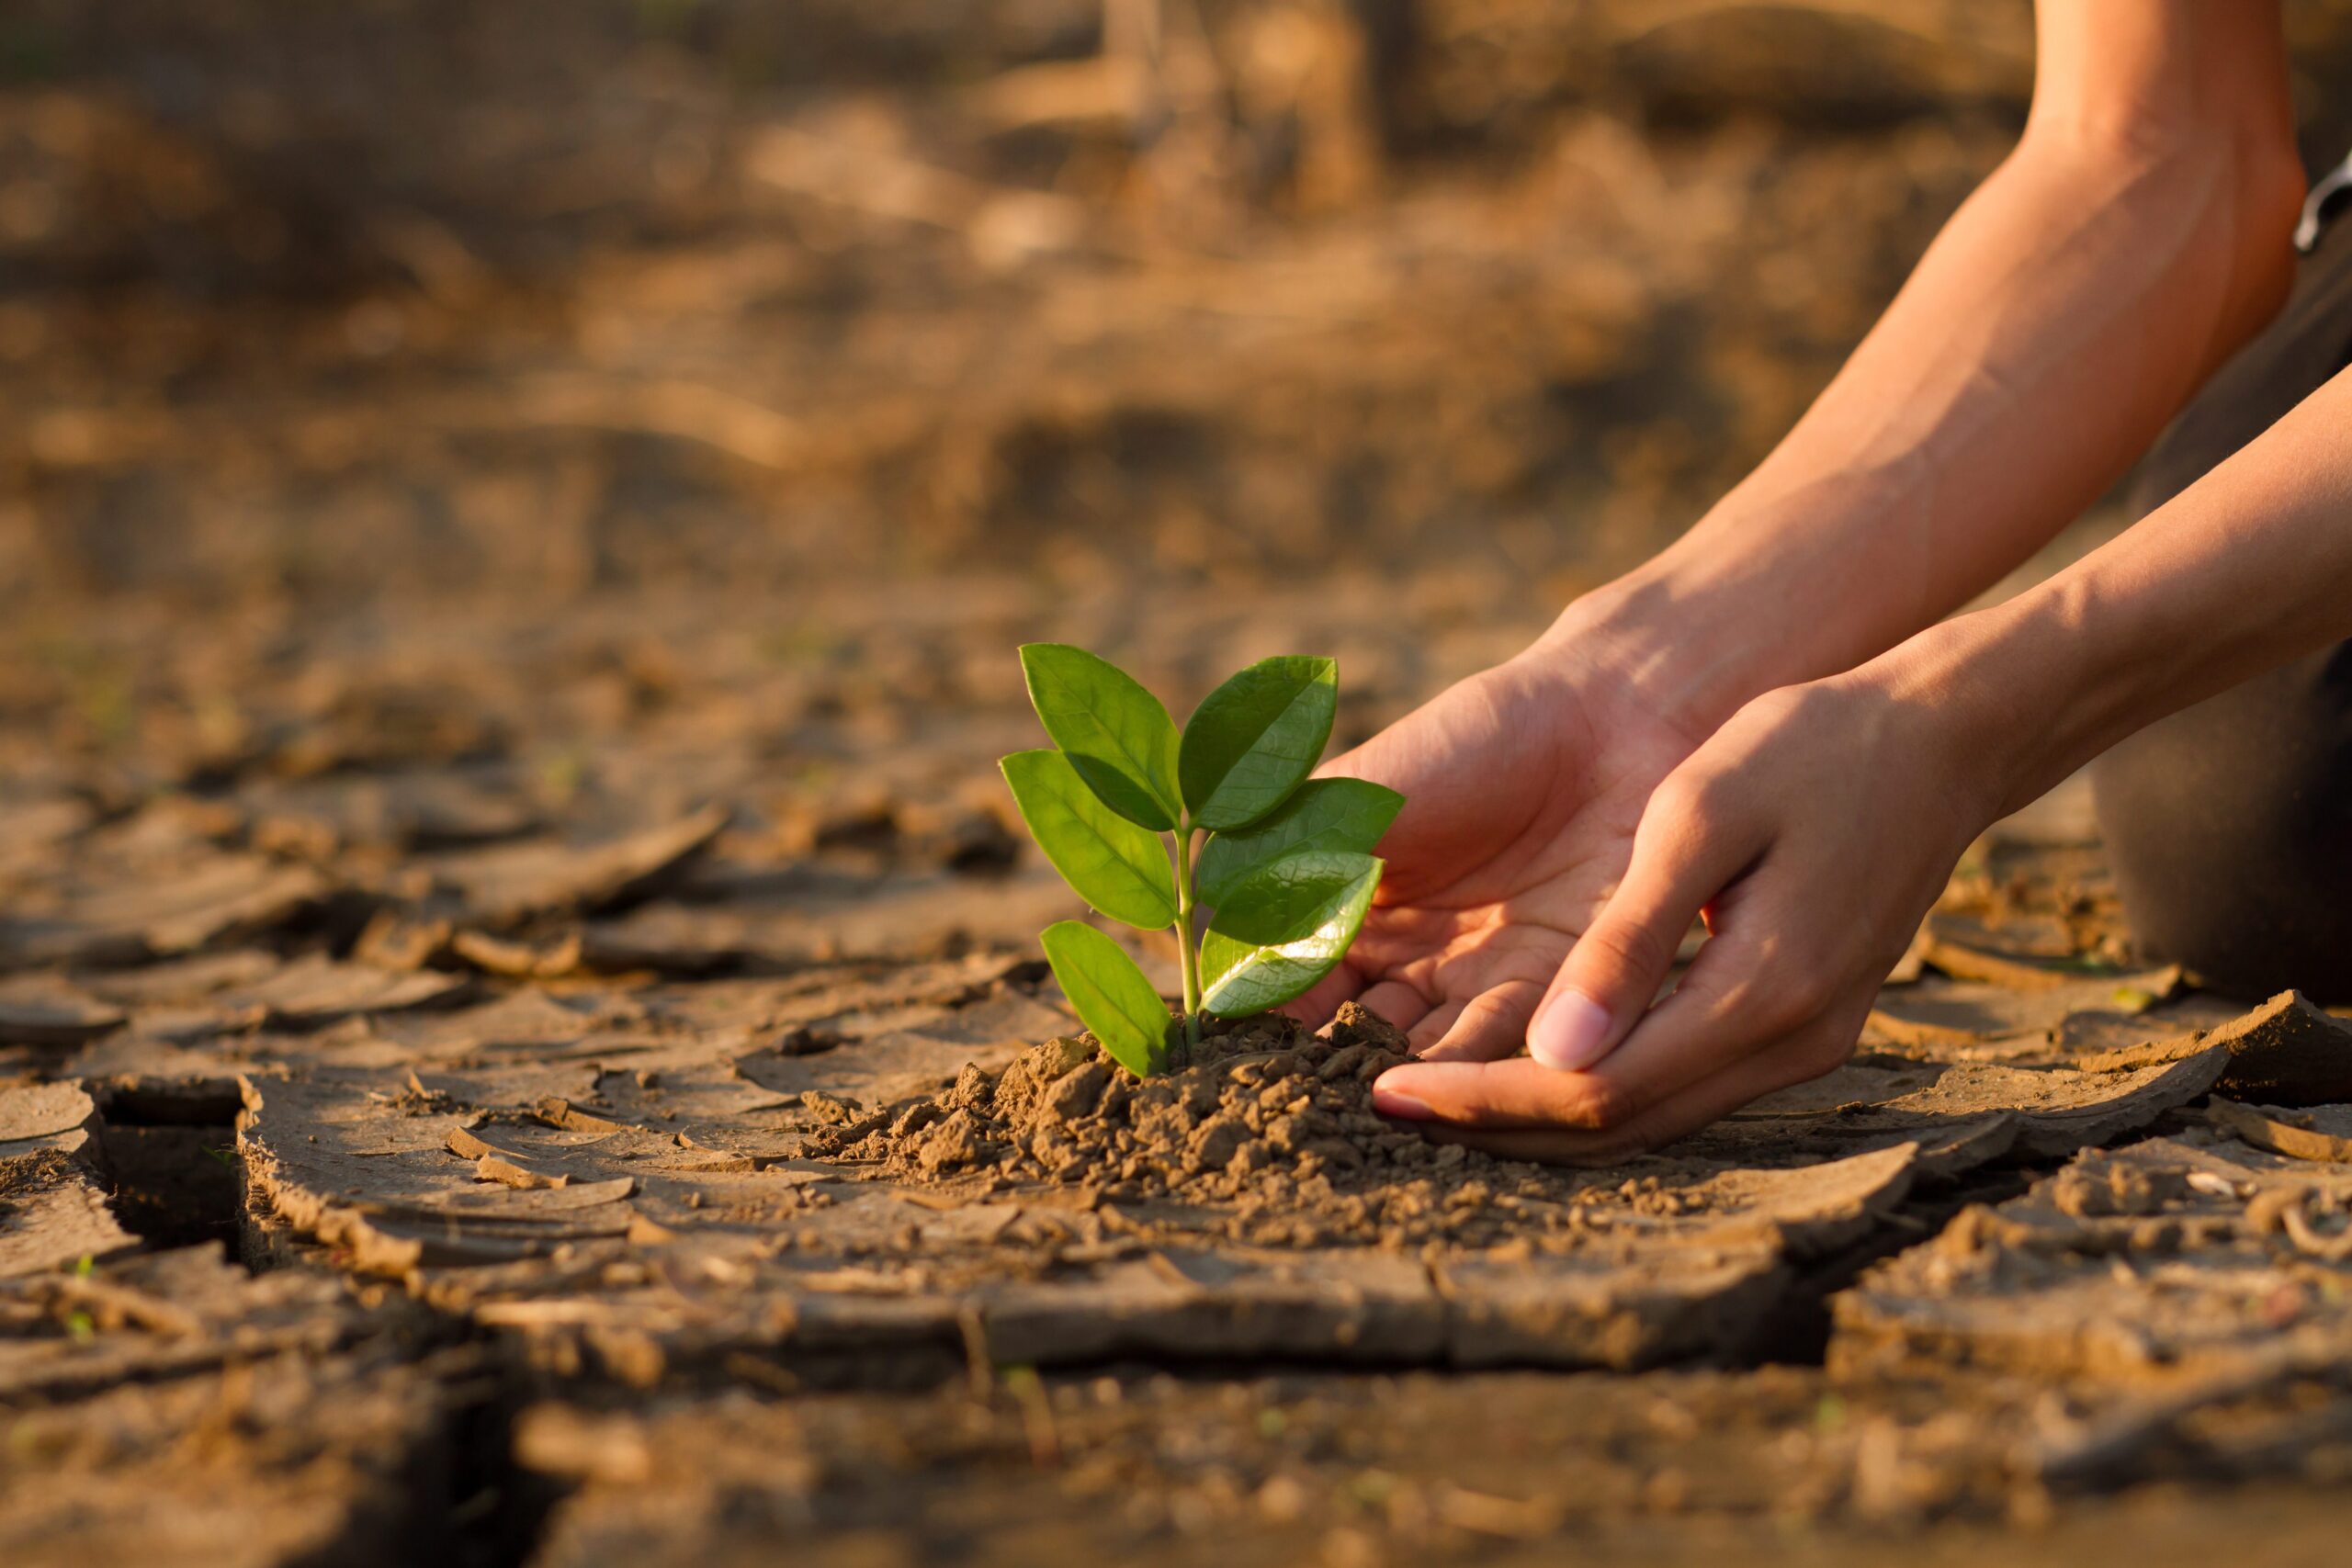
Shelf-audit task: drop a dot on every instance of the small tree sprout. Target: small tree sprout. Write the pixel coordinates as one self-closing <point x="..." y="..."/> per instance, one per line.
<point x="1155" y="826"/>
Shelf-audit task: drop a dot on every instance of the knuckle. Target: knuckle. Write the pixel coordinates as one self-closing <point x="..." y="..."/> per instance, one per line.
<point x="1809" y="699"/>
<point x="1712" y="790"/>
<point x="1798" y="705"/>
<point x="1690" y="814"/>
<point x="1632" y="949"/>
<point x="1670" y="796"/>
<point x="1766" y="715"/>
<point x="1810" y="993"/>
<point x="1509" y="1005"/>
<point x="1687" y="800"/>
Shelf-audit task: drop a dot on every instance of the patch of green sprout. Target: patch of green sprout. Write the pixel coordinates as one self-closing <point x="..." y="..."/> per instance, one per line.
<point x="1214" y="832"/>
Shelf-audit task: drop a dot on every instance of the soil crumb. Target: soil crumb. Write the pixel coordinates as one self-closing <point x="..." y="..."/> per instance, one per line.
<point x="1266" y="1120"/>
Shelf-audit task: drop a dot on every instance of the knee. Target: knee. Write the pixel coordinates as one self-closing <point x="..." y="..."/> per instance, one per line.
<point x="2230" y="836"/>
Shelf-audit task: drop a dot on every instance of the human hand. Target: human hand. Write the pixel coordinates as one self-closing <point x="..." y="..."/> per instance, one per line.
<point x="1813" y="832"/>
<point x="1523" y="786"/>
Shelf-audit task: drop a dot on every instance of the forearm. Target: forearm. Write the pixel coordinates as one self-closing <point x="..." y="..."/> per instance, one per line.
<point x="2063" y="315"/>
<point x="2247" y="569"/>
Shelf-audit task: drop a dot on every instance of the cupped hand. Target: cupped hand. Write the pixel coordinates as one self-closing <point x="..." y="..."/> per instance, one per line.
<point x="1523" y="786"/>
<point x="1813" y="832"/>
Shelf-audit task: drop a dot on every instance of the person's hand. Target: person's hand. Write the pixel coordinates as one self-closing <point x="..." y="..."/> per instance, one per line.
<point x="1524" y="785"/>
<point x="1813" y="830"/>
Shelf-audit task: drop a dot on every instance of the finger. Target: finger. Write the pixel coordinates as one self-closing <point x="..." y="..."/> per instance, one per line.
<point x="1697" y="1107"/>
<point x="1491" y="1027"/>
<point x="1495" y="1096"/>
<point x="1759" y="982"/>
<point x="1431" y="1028"/>
<point x="1742" y="996"/>
<point x="1711" y="1026"/>
<point x="1685" y="853"/>
<point x="1706" y="1050"/>
<point x="1396" y="1003"/>
<point x="1314" y="1006"/>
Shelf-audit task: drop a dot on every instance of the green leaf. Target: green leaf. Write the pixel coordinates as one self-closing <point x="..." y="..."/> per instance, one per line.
<point x="1111" y="995"/>
<point x="1116" y="734"/>
<point x="1119" y="868"/>
<point x="1252" y="739"/>
<point x="1283" y="929"/>
<point x="1326" y="814"/>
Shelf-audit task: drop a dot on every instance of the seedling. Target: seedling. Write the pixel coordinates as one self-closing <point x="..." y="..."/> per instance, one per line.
<point x="1284" y="871"/>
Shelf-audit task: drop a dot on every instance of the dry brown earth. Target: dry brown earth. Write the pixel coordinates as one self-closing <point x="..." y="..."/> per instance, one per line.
<point x="512" y="523"/>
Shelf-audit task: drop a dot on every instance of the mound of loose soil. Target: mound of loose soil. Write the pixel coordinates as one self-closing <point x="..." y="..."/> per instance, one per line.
<point x="1266" y="1117"/>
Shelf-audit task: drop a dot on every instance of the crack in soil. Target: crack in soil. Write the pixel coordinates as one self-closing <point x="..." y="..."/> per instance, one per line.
<point x="463" y="1490"/>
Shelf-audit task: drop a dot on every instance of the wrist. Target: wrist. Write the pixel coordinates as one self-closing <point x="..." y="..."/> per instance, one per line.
<point x="1690" y="635"/>
<point x="2013" y="702"/>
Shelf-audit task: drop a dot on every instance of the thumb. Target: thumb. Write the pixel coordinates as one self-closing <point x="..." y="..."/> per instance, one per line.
<point x="1682" y="859"/>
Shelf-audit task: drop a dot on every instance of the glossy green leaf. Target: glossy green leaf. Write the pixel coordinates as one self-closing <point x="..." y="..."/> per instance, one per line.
<point x="1252" y="739"/>
<point x="1282" y="927"/>
<point x="1116" y="734"/>
<point x="1109" y="994"/>
<point x="1119" y="868"/>
<point x="1325" y="814"/>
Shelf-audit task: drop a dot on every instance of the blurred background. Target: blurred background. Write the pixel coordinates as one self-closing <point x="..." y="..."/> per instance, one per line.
<point x="602" y="406"/>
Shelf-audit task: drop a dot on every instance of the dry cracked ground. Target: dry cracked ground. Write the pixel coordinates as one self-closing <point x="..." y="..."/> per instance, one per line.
<point x="406" y="1151"/>
<point x="520" y="1037"/>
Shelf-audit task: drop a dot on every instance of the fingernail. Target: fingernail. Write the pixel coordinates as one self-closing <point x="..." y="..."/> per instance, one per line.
<point x="1569" y="1034"/>
<point x="1403" y="1107"/>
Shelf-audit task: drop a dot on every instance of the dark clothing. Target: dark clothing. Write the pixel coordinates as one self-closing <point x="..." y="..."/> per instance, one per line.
<point x="2228" y="825"/>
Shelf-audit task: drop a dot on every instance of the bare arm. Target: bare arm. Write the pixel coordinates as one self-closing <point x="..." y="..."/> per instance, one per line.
<point x="2138" y="234"/>
<point x="1820" y="823"/>
<point x="1563" y="807"/>
<point x="1816" y="824"/>
<point x="2246" y="569"/>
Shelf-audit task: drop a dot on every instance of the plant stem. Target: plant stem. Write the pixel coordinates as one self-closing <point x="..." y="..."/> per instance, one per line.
<point x="1188" y="957"/>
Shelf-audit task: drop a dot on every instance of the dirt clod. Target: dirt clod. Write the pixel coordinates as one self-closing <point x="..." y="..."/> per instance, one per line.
<point x="1265" y="1117"/>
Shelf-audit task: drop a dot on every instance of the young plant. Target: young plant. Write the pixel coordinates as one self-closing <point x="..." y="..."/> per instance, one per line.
<point x="1118" y="802"/>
